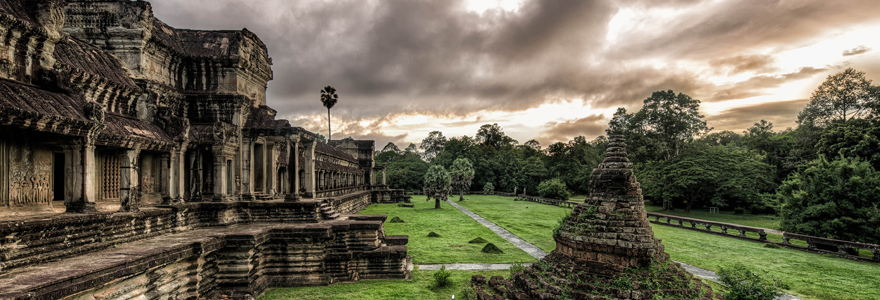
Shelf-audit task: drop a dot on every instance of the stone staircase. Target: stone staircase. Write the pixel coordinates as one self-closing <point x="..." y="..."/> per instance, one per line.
<point x="327" y="212"/>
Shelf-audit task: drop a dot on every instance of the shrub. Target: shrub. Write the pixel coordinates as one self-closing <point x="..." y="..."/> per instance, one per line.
<point x="433" y="234"/>
<point x="489" y="188"/>
<point x="553" y="188"/>
<point x="491" y="249"/>
<point x="833" y="199"/>
<point x="441" y="277"/>
<point x="516" y="268"/>
<point x="743" y="284"/>
<point x="478" y="240"/>
<point x="395" y="220"/>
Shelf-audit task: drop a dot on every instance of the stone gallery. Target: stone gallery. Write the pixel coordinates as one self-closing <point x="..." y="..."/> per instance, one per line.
<point x="141" y="161"/>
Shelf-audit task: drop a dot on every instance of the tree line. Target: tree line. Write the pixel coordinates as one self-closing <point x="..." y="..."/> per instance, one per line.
<point x="820" y="177"/>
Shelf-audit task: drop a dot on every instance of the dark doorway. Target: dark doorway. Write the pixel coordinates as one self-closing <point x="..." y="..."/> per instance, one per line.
<point x="58" y="176"/>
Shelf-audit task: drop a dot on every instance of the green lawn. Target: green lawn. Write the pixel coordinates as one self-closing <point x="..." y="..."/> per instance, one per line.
<point x="762" y="221"/>
<point x="420" y="288"/>
<point x="533" y="222"/>
<point x="455" y="229"/>
<point x="811" y="276"/>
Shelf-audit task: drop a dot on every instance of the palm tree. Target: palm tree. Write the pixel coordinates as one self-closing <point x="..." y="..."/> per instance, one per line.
<point x="329" y="98"/>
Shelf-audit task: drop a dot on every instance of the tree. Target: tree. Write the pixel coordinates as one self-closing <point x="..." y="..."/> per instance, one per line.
<point x="437" y="184"/>
<point x="833" y="199"/>
<point x="411" y="149"/>
<point x="329" y="98"/>
<point x="462" y="172"/>
<point x="672" y="120"/>
<point x="488" y="187"/>
<point x="534" y="144"/>
<point x="842" y="96"/>
<point x="433" y="145"/>
<point x="492" y="136"/>
<point x="530" y="174"/>
<point x="554" y="189"/>
<point x="855" y="138"/>
<point x="391" y="147"/>
<point x="723" y="176"/>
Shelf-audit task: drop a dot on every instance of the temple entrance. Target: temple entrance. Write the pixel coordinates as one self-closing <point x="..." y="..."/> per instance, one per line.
<point x="259" y="166"/>
<point x="58" y="176"/>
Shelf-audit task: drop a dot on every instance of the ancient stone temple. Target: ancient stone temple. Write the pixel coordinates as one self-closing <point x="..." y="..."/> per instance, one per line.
<point x="604" y="250"/>
<point x="138" y="160"/>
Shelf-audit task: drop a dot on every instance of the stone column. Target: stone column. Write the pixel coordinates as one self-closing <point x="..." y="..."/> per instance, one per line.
<point x="270" y="170"/>
<point x="293" y="171"/>
<point x="220" y="177"/>
<point x="309" y="174"/>
<point x="79" y="186"/>
<point x="383" y="175"/>
<point x="128" y="181"/>
<point x="178" y="163"/>
<point x="247" y="178"/>
<point x="165" y="177"/>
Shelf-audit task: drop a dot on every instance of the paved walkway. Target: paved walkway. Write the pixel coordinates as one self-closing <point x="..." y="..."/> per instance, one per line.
<point x="539" y="254"/>
<point x="515" y="240"/>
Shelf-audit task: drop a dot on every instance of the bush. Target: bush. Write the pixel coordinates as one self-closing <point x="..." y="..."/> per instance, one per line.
<point x="516" y="268"/>
<point x="441" y="277"/>
<point x="433" y="234"/>
<point x="489" y="187"/>
<point x="833" y="199"/>
<point x="478" y="240"/>
<point x="743" y="284"/>
<point x="553" y="188"/>
<point x="395" y="220"/>
<point x="491" y="249"/>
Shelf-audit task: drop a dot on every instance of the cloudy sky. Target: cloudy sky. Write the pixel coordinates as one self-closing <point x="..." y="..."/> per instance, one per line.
<point x="543" y="69"/>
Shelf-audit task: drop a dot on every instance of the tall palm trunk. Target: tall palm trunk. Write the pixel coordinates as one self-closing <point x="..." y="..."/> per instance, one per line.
<point x="329" y="131"/>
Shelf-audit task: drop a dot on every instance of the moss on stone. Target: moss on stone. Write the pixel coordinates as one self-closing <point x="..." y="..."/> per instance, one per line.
<point x="396" y="220"/>
<point x="491" y="249"/>
<point x="433" y="234"/>
<point x="478" y="240"/>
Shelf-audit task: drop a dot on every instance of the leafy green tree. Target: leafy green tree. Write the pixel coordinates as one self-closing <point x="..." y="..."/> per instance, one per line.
<point x="462" y="172"/>
<point x="391" y="147"/>
<point x="833" y="199"/>
<point x="670" y="119"/>
<point x="433" y="145"/>
<point x="489" y="187"/>
<point x="554" y="189"/>
<point x="723" y="176"/>
<point x="533" y="144"/>
<point x="493" y="137"/>
<point x="843" y="96"/>
<point x="437" y="184"/>
<point x="411" y="149"/>
<point x="404" y="170"/>
<point x="856" y="138"/>
<point x="530" y="174"/>
<point x="329" y="98"/>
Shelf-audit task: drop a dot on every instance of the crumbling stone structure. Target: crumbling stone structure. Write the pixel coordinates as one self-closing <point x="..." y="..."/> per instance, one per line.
<point x="604" y="250"/>
<point x="117" y="129"/>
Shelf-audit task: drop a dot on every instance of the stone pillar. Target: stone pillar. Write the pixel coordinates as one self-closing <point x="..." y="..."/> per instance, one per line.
<point x="79" y="186"/>
<point x="128" y="181"/>
<point x="220" y="185"/>
<point x="247" y="178"/>
<point x="178" y="163"/>
<point x="292" y="171"/>
<point x="165" y="177"/>
<point x="383" y="176"/>
<point x="271" y="188"/>
<point x="373" y="176"/>
<point x="309" y="165"/>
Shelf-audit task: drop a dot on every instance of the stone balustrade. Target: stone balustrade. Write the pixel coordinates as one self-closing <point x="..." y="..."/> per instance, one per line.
<point x="555" y="202"/>
<point x="339" y="191"/>
<point x="707" y="225"/>
<point x="842" y="248"/>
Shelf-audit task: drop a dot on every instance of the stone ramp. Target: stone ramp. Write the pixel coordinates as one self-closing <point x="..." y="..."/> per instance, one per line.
<point x="238" y="261"/>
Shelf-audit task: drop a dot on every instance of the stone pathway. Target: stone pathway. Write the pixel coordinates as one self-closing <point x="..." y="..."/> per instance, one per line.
<point x="515" y="240"/>
<point x="539" y="254"/>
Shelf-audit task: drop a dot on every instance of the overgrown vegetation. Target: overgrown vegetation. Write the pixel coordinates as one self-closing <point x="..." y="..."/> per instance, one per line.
<point x="554" y="189"/>
<point x="744" y="284"/>
<point x="441" y="277"/>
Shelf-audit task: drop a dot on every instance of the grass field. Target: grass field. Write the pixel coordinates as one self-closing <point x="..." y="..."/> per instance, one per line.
<point x="455" y="229"/>
<point x="533" y="222"/>
<point x="420" y="288"/>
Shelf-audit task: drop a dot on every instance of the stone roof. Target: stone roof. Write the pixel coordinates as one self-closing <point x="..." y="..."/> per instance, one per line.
<point x="202" y="43"/>
<point x="133" y="129"/>
<point x="18" y="10"/>
<point x="92" y="60"/>
<point x="264" y="118"/>
<point x="321" y="147"/>
<point x="33" y="99"/>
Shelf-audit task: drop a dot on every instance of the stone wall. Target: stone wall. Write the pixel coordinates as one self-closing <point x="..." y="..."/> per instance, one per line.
<point x="26" y="176"/>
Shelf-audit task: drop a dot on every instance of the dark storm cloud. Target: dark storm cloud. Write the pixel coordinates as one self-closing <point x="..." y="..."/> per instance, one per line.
<point x="434" y="57"/>
<point x="590" y="127"/>
<point x="856" y="51"/>
<point x="782" y="114"/>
